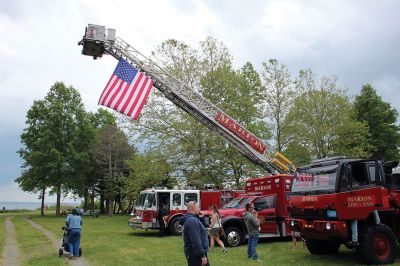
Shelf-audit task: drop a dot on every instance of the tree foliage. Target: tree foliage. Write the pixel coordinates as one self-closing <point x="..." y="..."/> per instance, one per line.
<point x="279" y="95"/>
<point x="56" y="142"/>
<point x="380" y="117"/>
<point x="111" y="151"/>
<point x="321" y="119"/>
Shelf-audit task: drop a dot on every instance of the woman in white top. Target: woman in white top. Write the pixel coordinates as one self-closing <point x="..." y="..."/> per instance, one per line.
<point x="216" y="229"/>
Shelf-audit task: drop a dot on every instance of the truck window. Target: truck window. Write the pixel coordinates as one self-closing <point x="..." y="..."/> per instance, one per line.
<point x="372" y="174"/>
<point x="263" y="203"/>
<point x="360" y="177"/>
<point x="142" y="198"/>
<point x="190" y="197"/>
<point x="176" y="200"/>
<point x="150" y="200"/>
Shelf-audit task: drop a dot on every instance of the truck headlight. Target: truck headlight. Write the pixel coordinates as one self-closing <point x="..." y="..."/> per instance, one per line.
<point x="328" y="226"/>
<point x="292" y="223"/>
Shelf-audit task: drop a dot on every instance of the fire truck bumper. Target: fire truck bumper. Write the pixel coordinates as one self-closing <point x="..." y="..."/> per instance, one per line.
<point x="323" y="230"/>
<point x="136" y="223"/>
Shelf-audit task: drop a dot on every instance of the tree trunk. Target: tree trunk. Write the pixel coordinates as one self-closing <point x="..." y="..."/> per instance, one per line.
<point x="42" y="206"/>
<point x="110" y="208"/>
<point x="86" y="199"/>
<point x="58" y="213"/>
<point x="121" y="206"/>
<point x="102" y="209"/>
<point x="92" y="200"/>
<point x="115" y="205"/>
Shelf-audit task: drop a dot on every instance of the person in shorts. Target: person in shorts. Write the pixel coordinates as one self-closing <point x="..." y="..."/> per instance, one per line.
<point x="215" y="229"/>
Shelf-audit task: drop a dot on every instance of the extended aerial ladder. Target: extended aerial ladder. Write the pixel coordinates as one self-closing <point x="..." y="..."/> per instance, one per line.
<point x="98" y="41"/>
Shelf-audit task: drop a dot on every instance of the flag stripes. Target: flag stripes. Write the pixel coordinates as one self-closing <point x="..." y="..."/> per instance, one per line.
<point x="127" y="90"/>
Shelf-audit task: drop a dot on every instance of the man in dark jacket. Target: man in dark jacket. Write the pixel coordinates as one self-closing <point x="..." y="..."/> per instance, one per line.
<point x="194" y="237"/>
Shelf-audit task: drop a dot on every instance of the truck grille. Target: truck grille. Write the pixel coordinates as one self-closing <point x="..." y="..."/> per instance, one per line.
<point x="309" y="214"/>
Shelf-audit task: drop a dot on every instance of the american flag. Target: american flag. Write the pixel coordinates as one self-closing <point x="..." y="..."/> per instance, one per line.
<point x="127" y="90"/>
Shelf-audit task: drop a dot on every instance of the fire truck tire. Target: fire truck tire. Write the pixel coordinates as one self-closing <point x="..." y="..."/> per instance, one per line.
<point x="233" y="236"/>
<point x="174" y="227"/>
<point x="378" y="245"/>
<point x="319" y="247"/>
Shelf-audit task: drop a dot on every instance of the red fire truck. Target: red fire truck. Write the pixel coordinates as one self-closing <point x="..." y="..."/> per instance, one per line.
<point x="145" y="214"/>
<point x="269" y="196"/>
<point x="333" y="199"/>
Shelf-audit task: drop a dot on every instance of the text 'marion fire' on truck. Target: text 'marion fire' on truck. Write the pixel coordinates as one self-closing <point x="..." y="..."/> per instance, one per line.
<point x="98" y="41"/>
<point x="150" y="200"/>
<point x="331" y="199"/>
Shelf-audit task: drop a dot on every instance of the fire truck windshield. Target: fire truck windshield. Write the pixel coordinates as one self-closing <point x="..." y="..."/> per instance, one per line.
<point x="145" y="200"/>
<point x="315" y="179"/>
<point x="237" y="203"/>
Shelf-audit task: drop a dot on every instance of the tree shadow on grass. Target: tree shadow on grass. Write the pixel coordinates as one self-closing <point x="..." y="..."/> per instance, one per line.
<point x="142" y="233"/>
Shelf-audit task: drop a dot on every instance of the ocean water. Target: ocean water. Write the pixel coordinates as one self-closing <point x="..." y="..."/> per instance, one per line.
<point x="22" y="205"/>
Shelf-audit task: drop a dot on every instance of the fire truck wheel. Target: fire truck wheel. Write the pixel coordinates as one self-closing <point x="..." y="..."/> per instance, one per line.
<point x="319" y="247"/>
<point x="234" y="236"/>
<point x="174" y="227"/>
<point x="378" y="245"/>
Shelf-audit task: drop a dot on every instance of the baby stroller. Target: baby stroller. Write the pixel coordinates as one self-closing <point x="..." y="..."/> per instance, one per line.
<point x="64" y="242"/>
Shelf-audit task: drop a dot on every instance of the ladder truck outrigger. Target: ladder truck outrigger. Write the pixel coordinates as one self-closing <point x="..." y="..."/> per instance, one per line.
<point x="98" y="40"/>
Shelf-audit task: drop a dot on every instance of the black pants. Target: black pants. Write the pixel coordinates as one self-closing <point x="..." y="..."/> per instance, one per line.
<point x="162" y="228"/>
<point x="196" y="261"/>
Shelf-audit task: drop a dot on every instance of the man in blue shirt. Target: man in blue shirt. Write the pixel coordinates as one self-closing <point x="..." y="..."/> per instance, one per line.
<point x="194" y="237"/>
<point x="74" y="222"/>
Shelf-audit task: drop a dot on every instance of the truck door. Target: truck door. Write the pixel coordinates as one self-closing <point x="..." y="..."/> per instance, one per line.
<point x="361" y="192"/>
<point x="265" y="206"/>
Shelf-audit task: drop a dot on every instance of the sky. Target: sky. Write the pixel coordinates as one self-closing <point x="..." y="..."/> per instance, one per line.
<point x="357" y="41"/>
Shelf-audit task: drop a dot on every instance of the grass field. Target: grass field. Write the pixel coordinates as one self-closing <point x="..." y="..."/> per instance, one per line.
<point x="34" y="245"/>
<point x="2" y="237"/>
<point x="109" y="241"/>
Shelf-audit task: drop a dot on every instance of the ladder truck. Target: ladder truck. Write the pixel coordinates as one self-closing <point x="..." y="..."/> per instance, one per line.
<point x="98" y="41"/>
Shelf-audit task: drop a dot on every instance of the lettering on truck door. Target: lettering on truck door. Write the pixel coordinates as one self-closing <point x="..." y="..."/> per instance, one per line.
<point x="360" y="189"/>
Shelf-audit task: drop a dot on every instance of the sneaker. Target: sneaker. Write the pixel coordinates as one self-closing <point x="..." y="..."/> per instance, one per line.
<point x="257" y="259"/>
<point x="352" y="243"/>
<point x="224" y="250"/>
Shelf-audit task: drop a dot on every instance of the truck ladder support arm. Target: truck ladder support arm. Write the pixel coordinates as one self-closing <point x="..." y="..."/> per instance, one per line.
<point x="98" y="41"/>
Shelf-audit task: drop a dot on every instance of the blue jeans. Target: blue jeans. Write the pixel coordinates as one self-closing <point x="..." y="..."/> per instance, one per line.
<point x="251" y="247"/>
<point x="354" y="231"/>
<point x="74" y="241"/>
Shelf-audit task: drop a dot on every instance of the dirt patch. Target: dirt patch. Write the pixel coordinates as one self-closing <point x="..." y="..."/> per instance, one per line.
<point x="11" y="255"/>
<point x="57" y="244"/>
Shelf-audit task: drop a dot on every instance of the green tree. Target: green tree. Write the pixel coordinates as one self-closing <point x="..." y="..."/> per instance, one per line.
<point x="322" y="117"/>
<point x="148" y="169"/>
<point x="381" y="120"/>
<point x="93" y="184"/>
<point x="36" y="167"/>
<point x="111" y="152"/>
<point x="55" y="142"/>
<point x="279" y="96"/>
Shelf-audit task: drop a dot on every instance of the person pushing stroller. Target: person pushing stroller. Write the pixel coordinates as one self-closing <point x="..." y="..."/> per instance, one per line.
<point x="74" y="224"/>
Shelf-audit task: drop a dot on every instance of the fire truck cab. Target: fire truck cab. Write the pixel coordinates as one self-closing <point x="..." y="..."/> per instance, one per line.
<point x="331" y="198"/>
